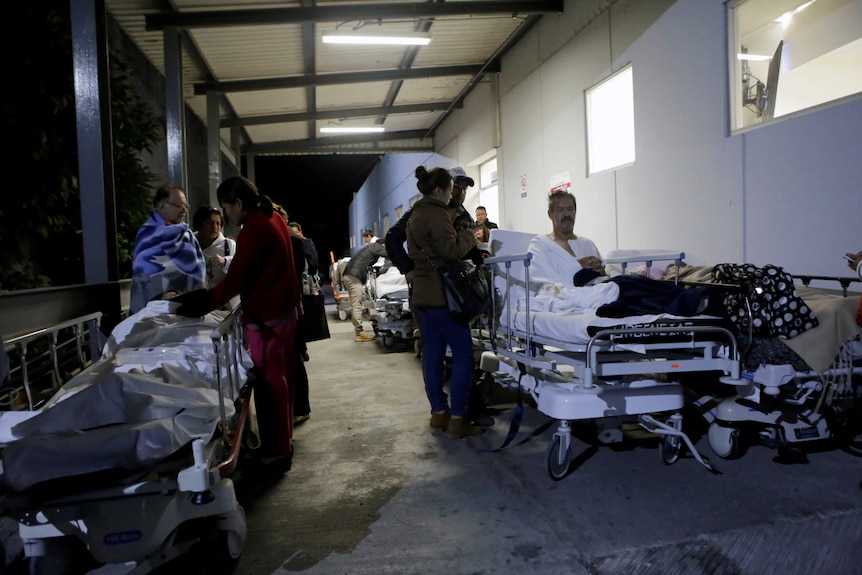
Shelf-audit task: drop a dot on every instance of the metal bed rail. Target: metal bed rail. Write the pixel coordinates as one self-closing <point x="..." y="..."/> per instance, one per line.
<point x="84" y="335"/>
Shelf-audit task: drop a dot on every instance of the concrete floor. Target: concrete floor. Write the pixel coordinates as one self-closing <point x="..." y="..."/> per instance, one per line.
<point x="374" y="491"/>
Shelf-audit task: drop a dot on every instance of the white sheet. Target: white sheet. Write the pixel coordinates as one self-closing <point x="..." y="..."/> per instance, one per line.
<point x="391" y="282"/>
<point x="573" y="328"/>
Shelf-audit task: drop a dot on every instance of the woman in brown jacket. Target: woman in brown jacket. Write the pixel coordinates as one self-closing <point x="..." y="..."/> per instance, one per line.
<point x="431" y="243"/>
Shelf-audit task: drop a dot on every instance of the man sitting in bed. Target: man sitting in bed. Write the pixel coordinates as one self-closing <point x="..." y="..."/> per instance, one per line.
<point x="564" y="259"/>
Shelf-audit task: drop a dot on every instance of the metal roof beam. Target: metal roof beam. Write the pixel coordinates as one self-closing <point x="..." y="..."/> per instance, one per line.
<point x="202" y="88"/>
<point x="340" y="113"/>
<point x="294" y="145"/>
<point x="344" y="13"/>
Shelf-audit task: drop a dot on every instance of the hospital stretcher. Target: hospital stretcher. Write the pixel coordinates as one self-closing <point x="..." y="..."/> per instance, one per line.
<point x="342" y="297"/>
<point x="391" y="316"/>
<point x="795" y="393"/>
<point x="617" y="374"/>
<point x="138" y="448"/>
<point x="572" y="365"/>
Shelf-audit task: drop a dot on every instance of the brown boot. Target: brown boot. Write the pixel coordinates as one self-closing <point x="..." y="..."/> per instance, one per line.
<point x="459" y="428"/>
<point x="440" y="420"/>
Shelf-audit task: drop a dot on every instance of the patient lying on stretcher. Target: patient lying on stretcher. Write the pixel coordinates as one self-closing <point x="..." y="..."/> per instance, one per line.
<point x="153" y="391"/>
<point x="571" y="277"/>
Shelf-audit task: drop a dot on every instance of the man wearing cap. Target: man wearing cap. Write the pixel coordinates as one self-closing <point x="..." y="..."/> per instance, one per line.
<point x="461" y="218"/>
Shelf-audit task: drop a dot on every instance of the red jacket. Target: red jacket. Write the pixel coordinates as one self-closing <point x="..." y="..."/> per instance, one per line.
<point x="262" y="271"/>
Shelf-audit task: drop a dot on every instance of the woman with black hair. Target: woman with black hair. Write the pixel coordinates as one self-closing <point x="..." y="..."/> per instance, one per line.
<point x="262" y="273"/>
<point x="219" y="250"/>
<point x="432" y="242"/>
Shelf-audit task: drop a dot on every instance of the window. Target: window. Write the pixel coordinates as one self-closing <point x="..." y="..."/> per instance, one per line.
<point x="399" y="211"/>
<point x="385" y="223"/>
<point x="611" y="123"/>
<point x="488" y="195"/>
<point x="789" y="55"/>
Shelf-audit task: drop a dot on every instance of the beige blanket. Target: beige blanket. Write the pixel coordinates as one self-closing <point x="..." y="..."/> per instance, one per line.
<point x="818" y="346"/>
<point x="837" y="316"/>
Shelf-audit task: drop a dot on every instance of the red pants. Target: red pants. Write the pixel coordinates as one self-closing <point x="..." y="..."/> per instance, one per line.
<point x="272" y="352"/>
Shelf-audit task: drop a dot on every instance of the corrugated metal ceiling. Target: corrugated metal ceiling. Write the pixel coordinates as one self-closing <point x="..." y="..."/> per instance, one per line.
<point x="283" y="45"/>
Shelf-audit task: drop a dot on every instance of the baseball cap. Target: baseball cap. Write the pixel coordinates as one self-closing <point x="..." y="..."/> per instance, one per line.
<point x="459" y="174"/>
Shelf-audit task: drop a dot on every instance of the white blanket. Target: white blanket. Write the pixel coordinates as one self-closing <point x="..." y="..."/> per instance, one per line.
<point x="393" y="282"/>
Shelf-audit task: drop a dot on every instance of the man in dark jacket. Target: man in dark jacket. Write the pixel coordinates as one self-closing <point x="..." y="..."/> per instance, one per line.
<point x="461" y="218"/>
<point x="354" y="277"/>
<point x="395" y="238"/>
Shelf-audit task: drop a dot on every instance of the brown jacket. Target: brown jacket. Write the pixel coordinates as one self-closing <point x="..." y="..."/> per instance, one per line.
<point x="430" y="229"/>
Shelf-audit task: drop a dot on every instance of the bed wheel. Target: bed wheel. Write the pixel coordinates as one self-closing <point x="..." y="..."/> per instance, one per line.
<point x="725" y="441"/>
<point x="231" y="540"/>
<point x="64" y="555"/>
<point x="417" y="346"/>
<point x="559" y="464"/>
<point x="388" y="340"/>
<point x="670" y="448"/>
<point x="342" y="314"/>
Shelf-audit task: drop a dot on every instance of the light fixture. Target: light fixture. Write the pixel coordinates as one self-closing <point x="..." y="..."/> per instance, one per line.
<point x="753" y="57"/>
<point x="351" y="130"/>
<point x="378" y="38"/>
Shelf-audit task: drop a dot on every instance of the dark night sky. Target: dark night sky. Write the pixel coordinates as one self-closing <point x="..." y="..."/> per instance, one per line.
<point x="316" y="191"/>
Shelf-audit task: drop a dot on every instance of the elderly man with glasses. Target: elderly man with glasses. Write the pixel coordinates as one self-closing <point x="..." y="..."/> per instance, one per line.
<point x="168" y="258"/>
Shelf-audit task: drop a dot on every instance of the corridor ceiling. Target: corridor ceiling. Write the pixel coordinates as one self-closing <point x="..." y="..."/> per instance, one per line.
<point x="279" y="84"/>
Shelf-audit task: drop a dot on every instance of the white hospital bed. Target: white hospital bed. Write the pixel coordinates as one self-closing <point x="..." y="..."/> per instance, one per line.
<point x="391" y="318"/>
<point x="135" y="446"/>
<point x="586" y="368"/>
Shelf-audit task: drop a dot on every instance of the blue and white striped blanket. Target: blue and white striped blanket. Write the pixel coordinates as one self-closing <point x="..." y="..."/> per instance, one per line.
<point x="167" y="258"/>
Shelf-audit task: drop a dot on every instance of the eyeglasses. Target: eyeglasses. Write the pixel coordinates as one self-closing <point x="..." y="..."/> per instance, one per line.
<point x="178" y="206"/>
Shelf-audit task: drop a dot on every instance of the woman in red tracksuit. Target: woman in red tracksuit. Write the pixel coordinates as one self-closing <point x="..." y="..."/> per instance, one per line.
<point x="262" y="273"/>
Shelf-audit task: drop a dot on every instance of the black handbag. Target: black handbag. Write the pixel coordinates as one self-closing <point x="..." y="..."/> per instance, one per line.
<point x="312" y="324"/>
<point x="466" y="289"/>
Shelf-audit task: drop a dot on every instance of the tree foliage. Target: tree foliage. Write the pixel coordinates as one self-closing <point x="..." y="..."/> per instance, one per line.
<point x="40" y="215"/>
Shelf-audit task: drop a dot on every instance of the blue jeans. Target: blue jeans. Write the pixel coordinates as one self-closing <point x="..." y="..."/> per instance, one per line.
<point x="437" y="329"/>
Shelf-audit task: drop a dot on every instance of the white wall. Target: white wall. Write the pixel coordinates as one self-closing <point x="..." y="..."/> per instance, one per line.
<point x="787" y="193"/>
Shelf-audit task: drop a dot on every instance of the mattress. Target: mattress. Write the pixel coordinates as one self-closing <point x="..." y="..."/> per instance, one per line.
<point x="578" y="329"/>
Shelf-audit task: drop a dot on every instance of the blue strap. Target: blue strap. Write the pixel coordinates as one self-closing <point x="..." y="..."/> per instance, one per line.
<point x="515" y="425"/>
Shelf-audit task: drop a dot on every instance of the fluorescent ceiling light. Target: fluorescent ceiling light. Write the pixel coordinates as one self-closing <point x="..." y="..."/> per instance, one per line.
<point x="354" y="130"/>
<point x="753" y="57"/>
<point x="380" y="38"/>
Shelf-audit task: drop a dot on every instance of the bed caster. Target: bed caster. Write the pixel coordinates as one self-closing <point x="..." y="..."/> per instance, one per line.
<point x="232" y="532"/>
<point x="388" y="340"/>
<point x="61" y="555"/>
<point x="726" y="442"/>
<point x="559" y="459"/>
<point x="342" y="314"/>
<point x="670" y="448"/>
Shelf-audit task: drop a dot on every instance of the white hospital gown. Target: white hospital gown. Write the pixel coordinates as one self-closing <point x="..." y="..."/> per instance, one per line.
<point x="551" y="275"/>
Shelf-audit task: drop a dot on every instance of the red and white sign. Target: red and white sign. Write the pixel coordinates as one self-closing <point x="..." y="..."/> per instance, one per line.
<point x="560" y="182"/>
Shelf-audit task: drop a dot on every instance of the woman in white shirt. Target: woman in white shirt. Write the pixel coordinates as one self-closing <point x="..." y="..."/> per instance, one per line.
<point x="218" y="250"/>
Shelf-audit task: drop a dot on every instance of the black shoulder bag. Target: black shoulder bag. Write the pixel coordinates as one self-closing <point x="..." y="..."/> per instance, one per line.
<point x="466" y="289"/>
